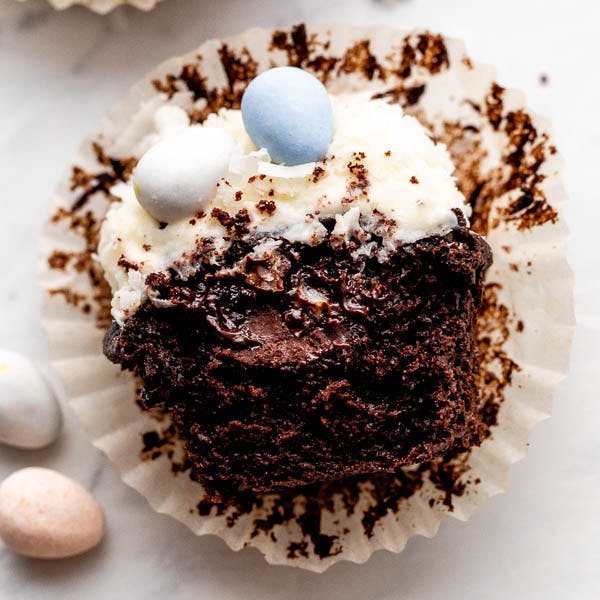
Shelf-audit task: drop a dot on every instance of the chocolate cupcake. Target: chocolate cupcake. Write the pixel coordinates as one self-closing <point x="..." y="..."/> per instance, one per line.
<point x="303" y="320"/>
<point x="313" y="354"/>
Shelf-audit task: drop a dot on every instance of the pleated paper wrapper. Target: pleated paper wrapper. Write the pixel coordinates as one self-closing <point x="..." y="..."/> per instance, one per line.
<point x="102" y="6"/>
<point x="506" y="164"/>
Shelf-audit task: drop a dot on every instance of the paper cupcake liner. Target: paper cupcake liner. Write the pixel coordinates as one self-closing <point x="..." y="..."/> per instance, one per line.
<point x="103" y="6"/>
<point x="506" y="164"/>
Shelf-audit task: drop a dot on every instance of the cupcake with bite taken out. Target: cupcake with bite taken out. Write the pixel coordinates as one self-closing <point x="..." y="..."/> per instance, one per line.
<point x="296" y="284"/>
<point x="312" y="353"/>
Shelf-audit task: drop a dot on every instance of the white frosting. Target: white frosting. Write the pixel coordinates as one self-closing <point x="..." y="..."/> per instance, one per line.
<point x="383" y="173"/>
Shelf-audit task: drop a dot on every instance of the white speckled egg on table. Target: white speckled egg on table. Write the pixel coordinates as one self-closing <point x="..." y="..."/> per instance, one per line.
<point x="44" y="514"/>
<point x="30" y="416"/>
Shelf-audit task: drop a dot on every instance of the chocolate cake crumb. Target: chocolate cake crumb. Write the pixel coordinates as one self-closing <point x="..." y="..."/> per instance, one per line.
<point x="241" y="219"/>
<point x="58" y="260"/>
<point x="358" y="184"/>
<point x="70" y="297"/>
<point x="358" y="59"/>
<point x="317" y="173"/>
<point x="447" y="476"/>
<point x="331" y="365"/>
<point x="152" y="441"/>
<point x="305" y="51"/>
<point x="498" y="368"/>
<point x="223" y="217"/>
<point x="295" y="42"/>
<point x="414" y="180"/>
<point x="239" y="70"/>
<point x="434" y="56"/>
<point x="127" y="264"/>
<point x="100" y="182"/>
<point x="238" y="67"/>
<point x="237" y="223"/>
<point x="87" y="228"/>
<point x="266" y="206"/>
<point x="163" y="443"/>
<point x="424" y="51"/>
<point x="494" y="105"/>
<point x="403" y="95"/>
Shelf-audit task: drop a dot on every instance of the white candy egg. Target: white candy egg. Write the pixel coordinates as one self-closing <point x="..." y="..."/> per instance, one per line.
<point x="30" y="416"/>
<point x="44" y="514"/>
<point x="178" y="176"/>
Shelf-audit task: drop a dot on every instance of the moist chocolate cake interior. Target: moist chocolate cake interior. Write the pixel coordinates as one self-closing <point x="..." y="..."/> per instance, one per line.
<point x="315" y="363"/>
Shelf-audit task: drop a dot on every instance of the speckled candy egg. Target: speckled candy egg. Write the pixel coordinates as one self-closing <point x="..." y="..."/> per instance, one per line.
<point x="30" y="416"/>
<point x="288" y="111"/>
<point x="178" y="176"/>
<point x="44" y="514"/>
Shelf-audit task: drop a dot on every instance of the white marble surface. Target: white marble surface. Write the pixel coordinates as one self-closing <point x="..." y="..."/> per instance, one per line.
<point x="60" y="71"/>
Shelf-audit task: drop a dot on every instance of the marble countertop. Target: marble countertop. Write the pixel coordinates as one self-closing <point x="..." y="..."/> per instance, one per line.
<point x="60" y="71"/>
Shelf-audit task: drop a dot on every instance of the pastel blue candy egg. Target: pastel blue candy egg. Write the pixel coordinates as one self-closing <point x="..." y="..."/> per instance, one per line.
<point x="288" y="111"/>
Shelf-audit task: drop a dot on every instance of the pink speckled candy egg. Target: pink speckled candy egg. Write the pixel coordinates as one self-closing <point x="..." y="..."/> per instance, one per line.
<point x="44" y="514"/>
